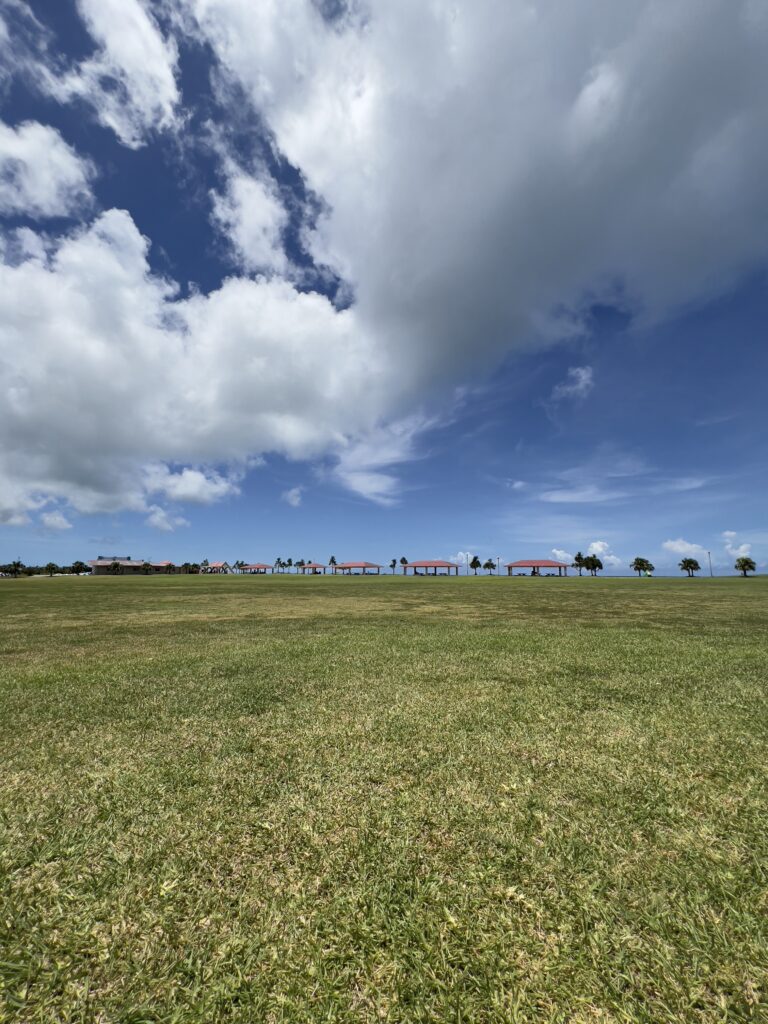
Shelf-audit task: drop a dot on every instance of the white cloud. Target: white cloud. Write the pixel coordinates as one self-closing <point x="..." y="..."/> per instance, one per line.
<point x="55" y="520"/>
<point x="588" y="493"/>
<point x="578" y="384"/>
<point x="684" y="548"/>
<point x="598" y="165"/>
<point x="202" y="487"/>
<point x="602" y="549"/>
<point x="206" y="381"/>
<point x="252" y="216"/>
<point x="292" y="496"/>
<point x="562" y="556"/>
<point x="160" y="519"/>
<point x="131" y="80"/>
<point x="517" y="485"/>
<point x="40" y="174"/>
<point x="734" y="549"/>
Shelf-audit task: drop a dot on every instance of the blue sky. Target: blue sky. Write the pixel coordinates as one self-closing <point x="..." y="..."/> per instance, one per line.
<point x="310" y="279"/>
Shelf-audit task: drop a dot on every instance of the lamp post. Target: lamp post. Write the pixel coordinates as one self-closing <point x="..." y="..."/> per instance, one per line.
<point x="709" y="556"/>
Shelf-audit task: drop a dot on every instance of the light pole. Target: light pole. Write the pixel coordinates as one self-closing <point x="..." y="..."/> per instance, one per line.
<point x="709" y="556"/>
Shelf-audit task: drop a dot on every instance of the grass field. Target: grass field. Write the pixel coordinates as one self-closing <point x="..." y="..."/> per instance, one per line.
<point x="299" y="800"/>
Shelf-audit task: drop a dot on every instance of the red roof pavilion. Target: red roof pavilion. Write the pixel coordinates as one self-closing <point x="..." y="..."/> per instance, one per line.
<point x="434" y="565"/>
<point x="536" y="564"/>
<point x="348" y="567"/>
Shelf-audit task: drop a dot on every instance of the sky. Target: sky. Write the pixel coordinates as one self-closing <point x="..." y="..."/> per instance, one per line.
<point x="302" y="278"/>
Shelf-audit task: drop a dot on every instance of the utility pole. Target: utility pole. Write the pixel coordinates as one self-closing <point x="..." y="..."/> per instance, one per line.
<point x="709" y="556"/>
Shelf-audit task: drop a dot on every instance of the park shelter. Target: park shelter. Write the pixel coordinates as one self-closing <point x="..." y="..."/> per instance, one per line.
<point x="256" y="568"/>
<point x="220" y="568"/>
<point x="536" y="565"/>
<point x="357" y="568"/>
<point x="313" y="568"/>
<point x="436" y="567"/>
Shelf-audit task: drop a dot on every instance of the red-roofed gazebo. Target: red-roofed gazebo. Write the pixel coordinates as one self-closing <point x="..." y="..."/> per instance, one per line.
<point x="257" y="568"/>
<point x="435" y="567"/>
<point x="313" y="568"/>
<point x="358" y="568"/>
<point x="536" y="565"/>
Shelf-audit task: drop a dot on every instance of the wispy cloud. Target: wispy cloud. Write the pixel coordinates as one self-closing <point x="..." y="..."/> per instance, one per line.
<point x="579" y="381"/>
<point x="589" y="493"/>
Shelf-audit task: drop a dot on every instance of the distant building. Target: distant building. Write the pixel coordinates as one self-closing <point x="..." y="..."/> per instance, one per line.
<point x="217" y="568"/>
<point x="123" y="565"/>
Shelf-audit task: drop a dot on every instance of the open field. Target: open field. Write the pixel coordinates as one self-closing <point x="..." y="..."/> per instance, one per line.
<point x="350" y="800"/>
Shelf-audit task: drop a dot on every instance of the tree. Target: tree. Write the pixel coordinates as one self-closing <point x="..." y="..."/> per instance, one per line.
<point x="641" y="565"/>
<point x="289" y="563"/>
<point x="78" y="567"/>
<point x="186" y="567"/>
<point x="393" y="565"/>
<point x="146" y="568"/>
<point x="489" y="565"/>
<point x="745" y="565"/>
<point x="51" y="568"/>
<point x="593" y="564"/>
<point x="689" y="565"/>
<point x="114" y="568"/>
<point x="332" y="560"/>
<point x="578" y="562"/>
<point x="404" y="563"/>
<point x="475" y="564"/>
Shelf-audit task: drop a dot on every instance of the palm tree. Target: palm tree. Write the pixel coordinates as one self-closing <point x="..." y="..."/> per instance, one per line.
<point x="114" y="568"/>
<point x="489" y="565"/>
<point x="289" y="563"/>
<point x="578" y="562"/>
<point x="475" y="564"/>
<point x="745" y="565"/>
<point x="393" y="565"/>
<point x="689" y="565"/>
<point x="593" y="564"/>
<point x="332" y="561"/>
<point x="186" y="567"/>
<point x="404" y="563"/>
<point x="146" y="568"/>
<point x="641" y="565"/>
<point x="51" y="568"/>
<point x="16" y="567"/>
<point x="78" y="567"/>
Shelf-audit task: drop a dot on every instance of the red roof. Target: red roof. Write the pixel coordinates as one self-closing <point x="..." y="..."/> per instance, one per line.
<point x="157" y="565"/>
<point x="256" y="565"/>
<point x="313" y="565"/>
<point x="438" y="563"/>
<point x="358" y="565"/>
<point x="536" y="563"/>
<point x="216" y="565"/>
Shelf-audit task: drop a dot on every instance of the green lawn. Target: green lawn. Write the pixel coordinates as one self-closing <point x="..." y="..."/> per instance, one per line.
<point x="350" y="800"/>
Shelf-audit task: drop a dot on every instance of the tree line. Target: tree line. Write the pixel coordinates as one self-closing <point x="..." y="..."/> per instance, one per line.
<point x="582" y="563"/>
